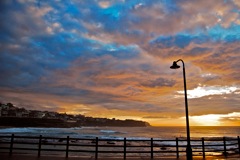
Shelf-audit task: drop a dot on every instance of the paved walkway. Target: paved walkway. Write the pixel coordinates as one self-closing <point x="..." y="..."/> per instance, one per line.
<point x="44" y="157"/>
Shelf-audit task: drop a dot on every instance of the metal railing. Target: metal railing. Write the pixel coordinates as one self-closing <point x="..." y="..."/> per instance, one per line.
<point x="122" y="147"/>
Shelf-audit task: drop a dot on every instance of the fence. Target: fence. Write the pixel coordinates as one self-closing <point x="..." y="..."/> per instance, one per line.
<point x="118" y="147"/>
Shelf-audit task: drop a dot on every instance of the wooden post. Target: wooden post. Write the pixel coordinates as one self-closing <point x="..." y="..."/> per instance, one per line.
<point x="203" y="148"/>
<point x="11" y="145"/>
<point x="67" y="147"/>
<point x="225" y="148"/>
<point x="177" y="151"/>
<point x="96" y="149"/>
<point x="39" y="145"/>
<point x="151" y="148"/>
<point x="125" y="148"/>
<point x="238" y="145"/>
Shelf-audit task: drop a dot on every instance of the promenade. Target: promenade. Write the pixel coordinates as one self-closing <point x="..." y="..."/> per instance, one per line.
<point x="5" y="156"/>
<point x="55" y="148"/>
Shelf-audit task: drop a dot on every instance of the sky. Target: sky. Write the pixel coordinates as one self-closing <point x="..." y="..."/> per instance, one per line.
<point x="112" y="58"/>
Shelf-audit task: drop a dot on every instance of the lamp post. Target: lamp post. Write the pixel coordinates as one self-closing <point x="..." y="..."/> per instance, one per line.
<point x="189" y="148"/>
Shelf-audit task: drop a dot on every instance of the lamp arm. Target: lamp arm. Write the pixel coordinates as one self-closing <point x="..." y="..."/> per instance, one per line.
<point x="182" y="62"/>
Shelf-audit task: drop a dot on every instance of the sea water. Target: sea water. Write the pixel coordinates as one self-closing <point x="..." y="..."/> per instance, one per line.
<point x="128" y="132"/>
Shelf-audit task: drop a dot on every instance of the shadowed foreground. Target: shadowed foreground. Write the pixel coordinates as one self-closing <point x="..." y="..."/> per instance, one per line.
<point x="26" y="147"/>
<point x="33" y="157"/>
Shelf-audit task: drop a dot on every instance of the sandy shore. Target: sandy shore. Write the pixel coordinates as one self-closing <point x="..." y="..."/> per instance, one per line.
<point x="5" y="156"/>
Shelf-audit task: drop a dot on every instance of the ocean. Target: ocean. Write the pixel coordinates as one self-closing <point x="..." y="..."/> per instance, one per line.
<point x="128" y="132"/>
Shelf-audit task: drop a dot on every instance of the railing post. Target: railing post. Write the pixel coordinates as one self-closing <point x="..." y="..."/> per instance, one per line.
<point x="177" y="151"/>
<point x="11" y="145"/>
<point x="238" y="145"/>
<point x="125" y="146"/>
<point x="225" y="148"/>
<point x="96" y="148"/>
<point x="203" y="148"/>
<point x="151" y="148"/>
<point x="39" y="145"/>
<point x="67" y="147"/>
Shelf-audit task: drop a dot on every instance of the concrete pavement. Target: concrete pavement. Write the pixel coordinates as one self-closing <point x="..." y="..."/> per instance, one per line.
<point x="4" y="156"/>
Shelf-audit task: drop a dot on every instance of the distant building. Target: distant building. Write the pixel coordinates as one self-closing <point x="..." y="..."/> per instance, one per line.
<point x="21" y="112"/>
<point x="50" y="115"/>
<point x="36" y="114"/>
<point x="4" y="113"/>
<point x="3" y="106"/>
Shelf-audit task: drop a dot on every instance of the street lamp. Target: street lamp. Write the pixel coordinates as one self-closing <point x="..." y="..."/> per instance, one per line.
<point x="189" y="148"/>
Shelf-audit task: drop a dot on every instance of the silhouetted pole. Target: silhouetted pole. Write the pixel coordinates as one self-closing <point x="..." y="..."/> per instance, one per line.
<point x="189" y="148"/>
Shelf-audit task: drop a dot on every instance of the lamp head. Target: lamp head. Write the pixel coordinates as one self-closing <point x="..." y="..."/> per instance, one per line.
<point x="174" y="65"/>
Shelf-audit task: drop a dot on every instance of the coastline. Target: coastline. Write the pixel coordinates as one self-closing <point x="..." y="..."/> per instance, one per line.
<point x="60" y="123"/>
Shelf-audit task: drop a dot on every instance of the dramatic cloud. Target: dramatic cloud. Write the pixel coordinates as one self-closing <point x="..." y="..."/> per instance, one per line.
<point x="212" y="90"/>
<point x="111" y="58"/>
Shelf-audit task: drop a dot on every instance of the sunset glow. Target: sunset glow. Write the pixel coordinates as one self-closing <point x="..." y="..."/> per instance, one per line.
<point x="216" y="119"/>
<point x="206" y="120"/>
<point x="111" y="59"/>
